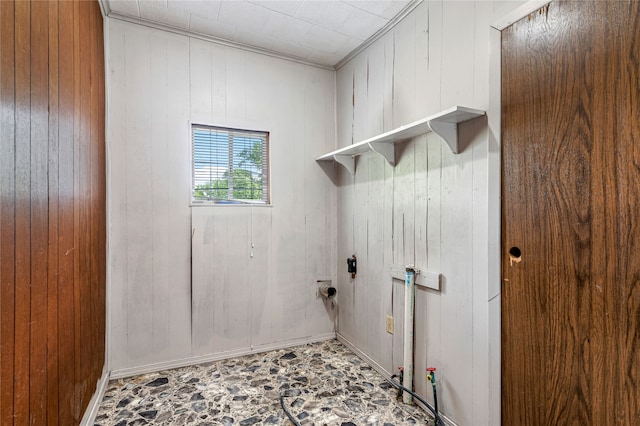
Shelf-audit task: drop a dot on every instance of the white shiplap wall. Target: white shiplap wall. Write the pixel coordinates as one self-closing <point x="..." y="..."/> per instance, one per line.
<point x="159" y="82"/>
<point x="432" y="209"/>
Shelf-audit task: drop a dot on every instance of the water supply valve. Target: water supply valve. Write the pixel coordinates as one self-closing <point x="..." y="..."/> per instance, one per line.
<point x="352" y="266"/>
<point x="431" y="374"/>
<point x="431" y="377"/>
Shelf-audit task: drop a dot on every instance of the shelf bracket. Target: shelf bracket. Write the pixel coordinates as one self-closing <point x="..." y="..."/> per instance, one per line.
<point x="386" y="149"/>
<point x="347" y="161"/>
<point x="448" y="132"/>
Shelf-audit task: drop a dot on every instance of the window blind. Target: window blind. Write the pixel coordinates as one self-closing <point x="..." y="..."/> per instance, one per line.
<point x="230" y="166"/>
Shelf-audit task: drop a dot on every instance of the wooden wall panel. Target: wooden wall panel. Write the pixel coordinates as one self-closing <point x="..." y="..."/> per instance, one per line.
<point x="232" y="302"/>
<point x="149" y="199"/>
<point x="117" y="207"/>
<point x="178" y="317"/>
<point x="38" y="210"/>
<point x="7" y="211"/>
<point x="52" y="192"/>
<point x="22" y="214"/>
<point x="83" y="103"/>
<point x="78" y="250"/>
<point x="66" y="236"/>
<point x="53" y="360"/>
<point x="160" y="160"/>
<point x="435" y="204"/>
<point x="139" y="246"/>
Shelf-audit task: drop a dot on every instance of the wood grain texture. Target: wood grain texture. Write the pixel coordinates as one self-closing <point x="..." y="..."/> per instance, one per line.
<point x="38" y="206"/>
<point x="66" y="237"/>
<point x="570" y="183"/>
<point x="83" y="103"/>
<point x="78" y="250"/>
<point x="7" y="210"/>
<point x="22" y="216"/>
<point x="53" y="360"/>
<point x="52" y="192"/>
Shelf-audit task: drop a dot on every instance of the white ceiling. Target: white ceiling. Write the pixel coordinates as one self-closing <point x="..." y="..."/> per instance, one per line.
<point x="317" y="31"/>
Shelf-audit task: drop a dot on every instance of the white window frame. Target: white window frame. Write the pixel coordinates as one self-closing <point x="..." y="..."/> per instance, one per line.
<point x="230" y="202"/>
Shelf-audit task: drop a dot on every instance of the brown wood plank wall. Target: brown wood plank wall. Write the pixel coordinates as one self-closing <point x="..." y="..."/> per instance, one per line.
<point x="52" y="210"/>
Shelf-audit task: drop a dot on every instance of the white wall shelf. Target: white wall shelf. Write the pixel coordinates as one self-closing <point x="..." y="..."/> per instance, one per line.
<point x="445" y="124"/>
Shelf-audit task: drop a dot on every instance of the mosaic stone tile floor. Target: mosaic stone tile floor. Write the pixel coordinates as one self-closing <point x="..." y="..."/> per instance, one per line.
<point x="325" y="382"/>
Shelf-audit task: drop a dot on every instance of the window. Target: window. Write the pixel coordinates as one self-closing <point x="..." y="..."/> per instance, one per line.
<point x="230" y="166"/>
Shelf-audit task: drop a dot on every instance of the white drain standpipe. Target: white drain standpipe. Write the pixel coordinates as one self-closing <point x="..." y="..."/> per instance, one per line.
<point x="409" y="306"/>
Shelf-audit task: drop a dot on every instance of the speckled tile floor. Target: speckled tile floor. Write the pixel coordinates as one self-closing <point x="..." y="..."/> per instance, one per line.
<point x="325" y="382"/>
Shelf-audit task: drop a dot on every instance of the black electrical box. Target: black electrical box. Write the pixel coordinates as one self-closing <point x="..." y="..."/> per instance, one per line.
<point x="351" y="265"/>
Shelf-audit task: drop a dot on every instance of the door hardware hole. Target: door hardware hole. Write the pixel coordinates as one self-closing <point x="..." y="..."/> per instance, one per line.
<point x="515" y="254"/>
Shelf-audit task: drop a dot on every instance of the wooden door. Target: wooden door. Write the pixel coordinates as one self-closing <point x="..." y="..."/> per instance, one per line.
<point x="571" y="215"/>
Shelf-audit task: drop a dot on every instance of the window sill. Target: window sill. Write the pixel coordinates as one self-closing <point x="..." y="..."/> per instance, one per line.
<point x="227" y="204"/>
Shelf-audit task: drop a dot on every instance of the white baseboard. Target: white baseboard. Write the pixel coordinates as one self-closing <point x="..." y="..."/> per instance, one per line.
<point x="383" y="372"/>
<point x="91" y="412"/>
<point x="447" y="420"/>
<point x="160" y="366"/>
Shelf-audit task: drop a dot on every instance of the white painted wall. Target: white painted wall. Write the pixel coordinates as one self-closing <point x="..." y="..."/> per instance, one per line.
<point x="159" y="82"/>
<point x="436" y="210"/>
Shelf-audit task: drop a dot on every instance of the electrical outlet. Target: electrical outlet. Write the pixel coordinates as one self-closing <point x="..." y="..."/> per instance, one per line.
<point x="389" y="324"/>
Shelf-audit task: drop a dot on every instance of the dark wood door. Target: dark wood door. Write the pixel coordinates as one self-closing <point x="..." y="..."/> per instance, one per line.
<point x="571" y="215"/>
